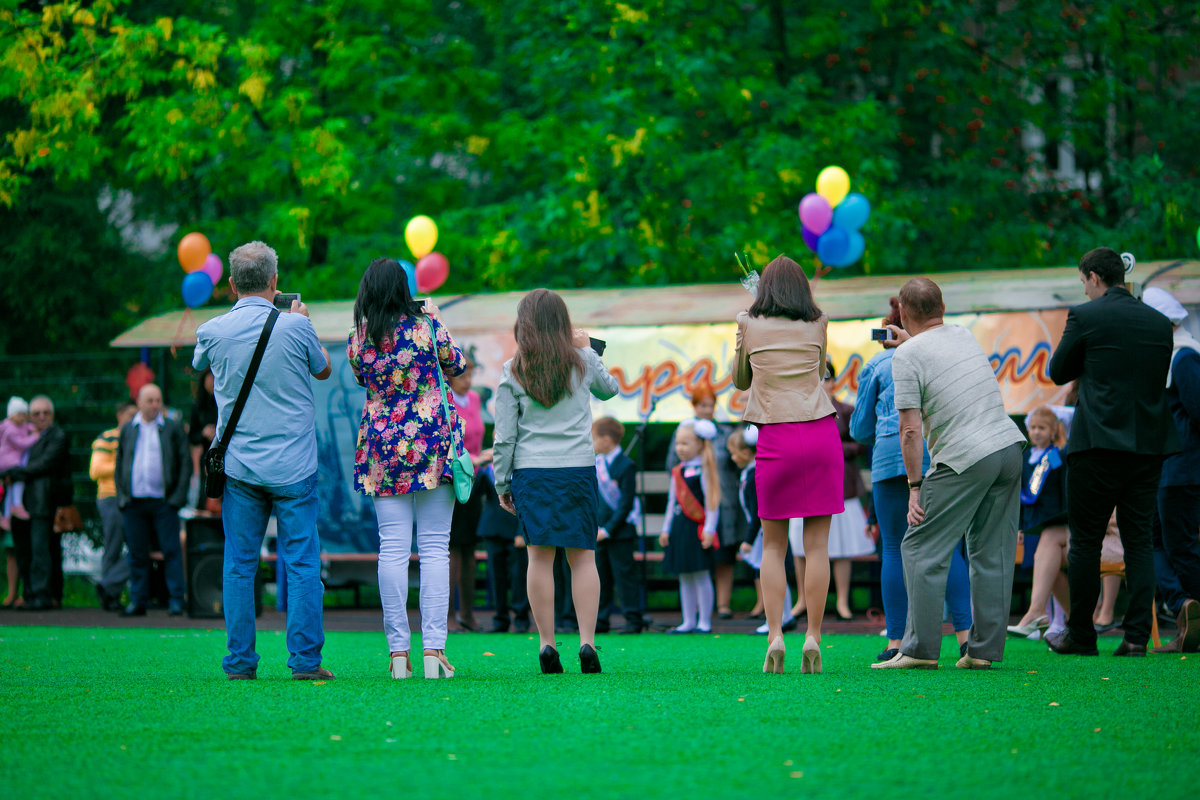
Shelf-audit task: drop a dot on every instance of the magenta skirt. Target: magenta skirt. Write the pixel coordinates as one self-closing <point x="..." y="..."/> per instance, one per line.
<point x="800" y="469"/>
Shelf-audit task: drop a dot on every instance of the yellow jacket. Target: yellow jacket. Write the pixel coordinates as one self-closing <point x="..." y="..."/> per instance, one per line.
<point x="103" y="466"/>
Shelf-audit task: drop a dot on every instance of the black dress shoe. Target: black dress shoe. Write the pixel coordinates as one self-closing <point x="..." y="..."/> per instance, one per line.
<point x="602" y="627"/>
<point x="1063" y="644"/>
<point x="549" y="661"/>
<point x="499" y="629"/>
<point x="175" y="609"/>
<point x="132" y="610"/>
<point x="1127" y="649"/>
<point x="521" y="626"/>
<point x="724" y="615"/>
<point x="790" y="625"/>
<point x="589" y="662"/>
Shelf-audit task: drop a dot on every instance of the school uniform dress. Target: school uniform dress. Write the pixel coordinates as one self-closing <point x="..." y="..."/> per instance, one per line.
<point x="748" y="495"/>
<point x="684" y="552"/>
<point x="1043" y="503"/>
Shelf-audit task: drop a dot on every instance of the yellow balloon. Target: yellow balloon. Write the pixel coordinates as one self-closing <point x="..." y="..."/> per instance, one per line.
<point x="833" y="184"/>
<point x="421" y="235"/>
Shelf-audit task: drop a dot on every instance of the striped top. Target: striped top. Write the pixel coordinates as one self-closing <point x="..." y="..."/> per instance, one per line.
<point x="103" y="466"/>
<point x="945" y="373"/>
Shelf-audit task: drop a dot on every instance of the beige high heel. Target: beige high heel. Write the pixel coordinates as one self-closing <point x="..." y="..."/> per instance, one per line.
<point x="401" y="666"/>
<point x="810" y="657"/>
<point x="774" y="660"/>
<point x="436" y="665"/>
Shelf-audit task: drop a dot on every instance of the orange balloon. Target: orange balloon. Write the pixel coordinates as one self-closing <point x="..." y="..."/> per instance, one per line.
<point x="193" y="250"/>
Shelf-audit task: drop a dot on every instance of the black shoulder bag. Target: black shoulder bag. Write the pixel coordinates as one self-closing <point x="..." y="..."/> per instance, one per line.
<point x="212" y="463"/>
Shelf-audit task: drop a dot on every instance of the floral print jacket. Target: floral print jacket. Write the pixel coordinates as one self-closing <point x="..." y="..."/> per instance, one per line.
<point x="404" y="439"/>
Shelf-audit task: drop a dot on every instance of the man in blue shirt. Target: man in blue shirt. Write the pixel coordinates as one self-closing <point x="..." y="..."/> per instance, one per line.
<point x="271" y="463"/>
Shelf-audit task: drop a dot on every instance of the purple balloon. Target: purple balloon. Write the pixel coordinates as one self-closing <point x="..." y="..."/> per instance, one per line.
<point x="815" y="213"/>
<point x="810" y="238"/>
<point x="213" y="268"/>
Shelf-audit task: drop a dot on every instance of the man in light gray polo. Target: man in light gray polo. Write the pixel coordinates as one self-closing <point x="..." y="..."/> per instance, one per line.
<point x="945" y="384"/>
<point x="271" y="463"/>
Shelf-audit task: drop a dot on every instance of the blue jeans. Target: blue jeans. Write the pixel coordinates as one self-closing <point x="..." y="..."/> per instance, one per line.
<point x="891" y="510"/>
<point x="143" y="516"/>
<point x="245" y="509"/>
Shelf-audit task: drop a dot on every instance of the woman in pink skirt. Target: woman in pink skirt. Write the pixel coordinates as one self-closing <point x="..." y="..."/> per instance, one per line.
<point x="780" y="359"/>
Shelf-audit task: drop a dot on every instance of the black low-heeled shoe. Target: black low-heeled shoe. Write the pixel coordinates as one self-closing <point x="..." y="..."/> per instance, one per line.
<point x="550" y="661"/>
<point x="589" y="661"/>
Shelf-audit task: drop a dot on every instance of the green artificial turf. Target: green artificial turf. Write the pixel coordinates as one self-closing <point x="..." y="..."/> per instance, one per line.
<point x="148" y="713"/>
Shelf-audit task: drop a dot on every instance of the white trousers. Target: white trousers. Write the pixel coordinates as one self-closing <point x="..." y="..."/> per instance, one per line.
<point x="432" y="511"/>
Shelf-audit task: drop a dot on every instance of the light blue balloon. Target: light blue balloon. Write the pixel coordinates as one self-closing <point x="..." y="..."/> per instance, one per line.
<point x="831" y="247"/>
<point x="852" y="213"/>
<point x="196" y="289"/>
<point x="854" y="250"/>
<point x="410" y="270"/>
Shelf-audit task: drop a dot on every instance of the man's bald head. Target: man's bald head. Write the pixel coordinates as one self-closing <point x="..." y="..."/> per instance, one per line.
<point x="149" y="402"/>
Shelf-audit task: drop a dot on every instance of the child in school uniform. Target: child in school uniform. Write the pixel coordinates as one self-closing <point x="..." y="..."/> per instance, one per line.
<point x="1044" y="517"/>
<point x="742" y="444"/>
<point x="689" y="529"/>
<point x="507" y="558"/>
<point x="616" y="538"/>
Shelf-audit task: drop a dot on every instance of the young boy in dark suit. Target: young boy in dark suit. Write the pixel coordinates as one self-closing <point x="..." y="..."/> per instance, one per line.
<point x="616" y="538"/>
<point x="508" y="560"/>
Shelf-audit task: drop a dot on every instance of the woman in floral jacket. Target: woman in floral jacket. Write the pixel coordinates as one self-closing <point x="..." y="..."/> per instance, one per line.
<point x="402" y="460"/>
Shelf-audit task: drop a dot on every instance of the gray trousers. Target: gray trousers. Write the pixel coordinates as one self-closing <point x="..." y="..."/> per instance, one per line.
<point x="114" y="568"/>
<point x="984" y="502"/>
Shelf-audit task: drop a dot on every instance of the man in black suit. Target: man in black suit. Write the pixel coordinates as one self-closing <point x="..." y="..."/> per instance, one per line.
<point x="47" y="476"/>
<point x="616" y="538"/>
<point x="152" y="474"/>
<point x="1120" y="350"/>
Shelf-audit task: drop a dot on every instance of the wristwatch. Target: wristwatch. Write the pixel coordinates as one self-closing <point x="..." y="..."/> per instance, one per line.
<point x="916" y="484"/>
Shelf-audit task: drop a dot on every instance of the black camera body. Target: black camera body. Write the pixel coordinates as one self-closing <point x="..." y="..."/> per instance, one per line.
<point x="283" y="300"/>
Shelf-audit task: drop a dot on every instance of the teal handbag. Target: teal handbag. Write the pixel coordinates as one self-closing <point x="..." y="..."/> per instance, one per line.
<point x="461" y="467"/>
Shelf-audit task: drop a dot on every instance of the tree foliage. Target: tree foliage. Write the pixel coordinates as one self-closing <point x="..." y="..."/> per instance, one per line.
<point x="607" y="143"/>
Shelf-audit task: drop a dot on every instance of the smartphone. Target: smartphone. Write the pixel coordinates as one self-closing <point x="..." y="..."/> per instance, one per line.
<point x="283" y="300"/>
<point x="881" y="335"/>
<point x="598" y="345"/>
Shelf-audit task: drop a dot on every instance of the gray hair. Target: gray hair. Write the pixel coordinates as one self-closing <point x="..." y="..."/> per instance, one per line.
<point x="43" y="398"/>
<point x="251" y="266"/>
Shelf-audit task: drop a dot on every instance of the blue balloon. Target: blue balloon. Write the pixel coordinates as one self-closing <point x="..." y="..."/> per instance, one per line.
<point x="410" y="270"/>
<point x="852" y="213"/>
<point x="197" y="288"/>
<point x="831" y="247"/>
<point x="854" y="250"/>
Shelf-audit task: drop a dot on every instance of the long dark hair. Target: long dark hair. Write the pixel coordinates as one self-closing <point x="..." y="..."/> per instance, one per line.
<point x="383" y="298"/>
<point x="783" y="291"/>
<point x="545" y="360"/>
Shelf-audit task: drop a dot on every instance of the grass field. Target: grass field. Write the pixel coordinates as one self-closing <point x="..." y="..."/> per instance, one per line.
<point x="147" y="713"/>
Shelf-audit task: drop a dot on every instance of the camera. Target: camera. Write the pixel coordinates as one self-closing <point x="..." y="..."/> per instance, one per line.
<point x="882" y="335"/>
<point x="283" y="300"/>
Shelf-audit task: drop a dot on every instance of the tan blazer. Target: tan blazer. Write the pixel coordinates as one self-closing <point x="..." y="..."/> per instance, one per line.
<point x="781" y="362"/>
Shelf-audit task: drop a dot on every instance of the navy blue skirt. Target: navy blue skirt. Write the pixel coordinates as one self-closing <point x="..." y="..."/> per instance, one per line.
<point x="556" y="506"/>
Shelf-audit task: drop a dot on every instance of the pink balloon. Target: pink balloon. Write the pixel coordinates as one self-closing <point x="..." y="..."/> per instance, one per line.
<point x="213" y="268"/>
<point x="815" y="213"/>
<point x="432" y="271"/>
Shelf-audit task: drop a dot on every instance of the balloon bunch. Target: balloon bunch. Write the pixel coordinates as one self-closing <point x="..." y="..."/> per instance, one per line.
<point x="431" y="269"/>
<point x="203" y="268"/>
<point x="831" y="218"/>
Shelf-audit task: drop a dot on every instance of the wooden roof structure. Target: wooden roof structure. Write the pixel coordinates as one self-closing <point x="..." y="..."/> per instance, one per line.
<point x="864" y="297"/>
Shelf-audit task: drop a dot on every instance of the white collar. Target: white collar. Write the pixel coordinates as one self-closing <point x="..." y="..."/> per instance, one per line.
<point x="141" y="421"/>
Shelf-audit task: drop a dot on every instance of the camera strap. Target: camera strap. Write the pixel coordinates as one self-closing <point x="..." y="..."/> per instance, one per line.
<point x="248" y="381"/>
